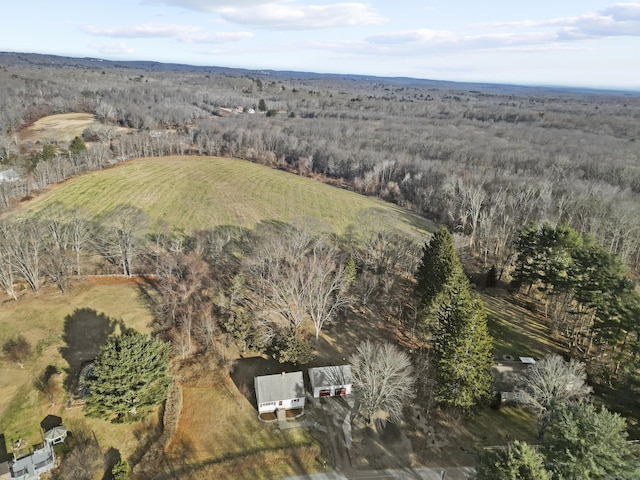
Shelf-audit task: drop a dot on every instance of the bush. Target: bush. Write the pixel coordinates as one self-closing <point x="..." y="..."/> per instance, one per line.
<point x="17" y="349"/>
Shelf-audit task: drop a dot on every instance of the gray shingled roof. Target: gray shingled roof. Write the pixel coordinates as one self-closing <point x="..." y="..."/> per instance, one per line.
<point x="271" y="388"/>
<point x="333" y="375"/>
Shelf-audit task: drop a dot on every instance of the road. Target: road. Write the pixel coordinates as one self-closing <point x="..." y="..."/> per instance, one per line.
<point x="458" y="473"/>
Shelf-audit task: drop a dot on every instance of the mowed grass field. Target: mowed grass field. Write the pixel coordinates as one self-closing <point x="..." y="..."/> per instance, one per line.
<point x="55" y="324"/>
<point x="192" y="193"/>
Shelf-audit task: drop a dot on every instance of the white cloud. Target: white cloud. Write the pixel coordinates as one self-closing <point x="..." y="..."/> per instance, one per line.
<point x="284" y="14"/>
<point x="622" y="19"/>
<point x="148" y="30"/>
<point x="209" y="5"/>
<point x="113" y="48"/>
<point x="423" y="40"/>
<point x="289" y="16"/>
<point x="182" y="33"/>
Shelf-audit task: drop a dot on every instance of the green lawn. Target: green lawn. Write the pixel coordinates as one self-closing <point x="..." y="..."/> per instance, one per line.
<point x="190" y="193"/>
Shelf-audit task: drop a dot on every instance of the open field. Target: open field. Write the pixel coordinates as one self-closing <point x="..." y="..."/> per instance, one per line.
<point x="64" y="331"/>
<point x="191" y="193"/>
<point x="62" y="127"/>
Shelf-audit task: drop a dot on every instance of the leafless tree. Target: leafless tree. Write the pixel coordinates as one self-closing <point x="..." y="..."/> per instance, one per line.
<point x="551" y="382"/>
<point x="327" y="287"/>
<point x="25" y="241"/>
<point x="183" y="283"/>
<point x="81" y="231"/>
<point x="85" y="460"/>
<point x="383" y="379"/>
<point x="122" y="236"/>
<point x="280" y="278"/>
<point x="6" y="266"/>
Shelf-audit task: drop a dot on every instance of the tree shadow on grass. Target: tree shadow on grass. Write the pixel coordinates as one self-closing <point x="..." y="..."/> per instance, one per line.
<point x="85" y="332"/>
<point x="111" y="457"/>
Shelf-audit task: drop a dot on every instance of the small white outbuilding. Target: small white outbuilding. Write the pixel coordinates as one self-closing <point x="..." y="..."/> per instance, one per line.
<point x="283" y="391"/>
<point x="333" y="381"/>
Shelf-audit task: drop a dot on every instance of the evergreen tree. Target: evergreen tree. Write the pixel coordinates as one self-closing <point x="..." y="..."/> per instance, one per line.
<point x="518" y="462"/>
<point x="584" y="443"/>
<point x="130" y="376"/>
<point x="463" y="352"/>
<point x="440" y="274"/>
<point x="77" y="146"/>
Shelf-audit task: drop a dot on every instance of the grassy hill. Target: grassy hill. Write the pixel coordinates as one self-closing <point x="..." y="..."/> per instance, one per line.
<point x="191" y="193"/>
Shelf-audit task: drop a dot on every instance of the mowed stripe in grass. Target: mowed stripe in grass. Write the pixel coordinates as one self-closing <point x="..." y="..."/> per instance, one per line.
<point x="191" y="193"/>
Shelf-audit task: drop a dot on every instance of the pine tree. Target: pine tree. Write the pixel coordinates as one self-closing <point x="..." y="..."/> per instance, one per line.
<point x="458" y="320"/>
<point x="585" y="443"/>
<point x="463" y="352"/>
<point x="77" y="146"/>
<point x="129" y="377"/>
<point x="518" y="462"/>
<point x="439" y="275"/>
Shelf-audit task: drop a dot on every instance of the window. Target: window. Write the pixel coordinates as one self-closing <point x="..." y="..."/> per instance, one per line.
<point x="325" y="392"/>
<point x="341" y="391"/>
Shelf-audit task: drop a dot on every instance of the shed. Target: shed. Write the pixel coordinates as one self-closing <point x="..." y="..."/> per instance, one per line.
<point x="281" y="391"/>
<point x="330" y="381"/>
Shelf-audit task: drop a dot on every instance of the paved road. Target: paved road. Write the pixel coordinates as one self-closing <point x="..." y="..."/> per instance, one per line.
<point x="460" y="473"/>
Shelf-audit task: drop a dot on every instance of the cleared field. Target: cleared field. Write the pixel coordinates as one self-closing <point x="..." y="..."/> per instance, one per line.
<point x="191" y="193"/>
<point x="62" y="127"/>
<point x="64" y="331"/>
<point x="219" y="432"/>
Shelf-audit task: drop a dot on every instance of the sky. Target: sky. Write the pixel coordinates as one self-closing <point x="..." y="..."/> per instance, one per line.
<point x="580" y="43"/>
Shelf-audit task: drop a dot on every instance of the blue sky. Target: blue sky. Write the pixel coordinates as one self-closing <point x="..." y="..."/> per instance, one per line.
<point x="588" y="43"/>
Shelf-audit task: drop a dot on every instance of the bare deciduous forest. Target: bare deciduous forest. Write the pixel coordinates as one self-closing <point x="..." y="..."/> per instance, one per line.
<point x="484" y="159"/>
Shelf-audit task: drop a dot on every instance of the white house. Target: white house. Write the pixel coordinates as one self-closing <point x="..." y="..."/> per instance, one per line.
<point x="283" y="391"/>
<point x="330" y="381"/>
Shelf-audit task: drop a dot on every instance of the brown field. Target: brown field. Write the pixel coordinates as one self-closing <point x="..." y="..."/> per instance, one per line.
<point x="219" y="431"/>
<point x="62" y="127"/>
